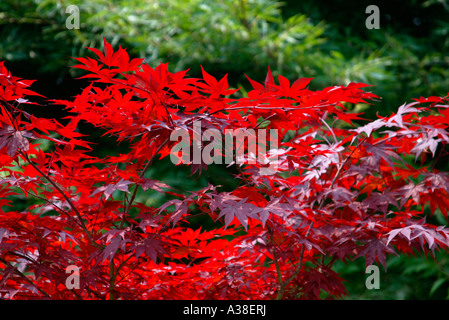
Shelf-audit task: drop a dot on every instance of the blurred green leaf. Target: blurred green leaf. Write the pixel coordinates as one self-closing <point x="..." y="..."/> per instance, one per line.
<point x="437" y="284"/>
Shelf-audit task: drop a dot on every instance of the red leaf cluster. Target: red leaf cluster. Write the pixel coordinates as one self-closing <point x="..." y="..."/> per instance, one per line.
<point x="340" y="191"/>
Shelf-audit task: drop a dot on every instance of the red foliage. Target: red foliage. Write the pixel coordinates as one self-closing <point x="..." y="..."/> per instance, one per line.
<point x="338" y="193"/>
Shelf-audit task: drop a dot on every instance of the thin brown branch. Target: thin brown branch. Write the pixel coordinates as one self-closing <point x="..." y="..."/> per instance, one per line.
<point x="344" y="163"/>
<point x="69" y="201"/>
<point x="142" y="174"/>
<point x="25" y="277"/>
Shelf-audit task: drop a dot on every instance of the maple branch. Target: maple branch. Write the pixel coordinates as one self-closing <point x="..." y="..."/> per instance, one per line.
<point x="330" y="263"/>
<point x="399" y="134"/>
<point x="24" y="277"/>
<point x="344" y="163"/>
<point x="244" y="178"/>
<point x="328" y="127"/>
<point x="331" y="131"/>
<point x="112" y="277"/>
<point x="284" y="284"/>
<point x="272" y="108"/>
<point x="120" y="266"/>
<point x="279" y="275"/>
<point x="278" y="268"/>
<point x="300" y="263"/>
<point x="72" y="206"/>
<point x="437" y="158"/>
<point x="142" y="174"/>
<point x="54" y="205"/>
<point x="267" y="107"/>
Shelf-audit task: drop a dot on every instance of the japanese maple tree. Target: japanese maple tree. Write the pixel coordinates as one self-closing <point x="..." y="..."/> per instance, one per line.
<point x="340" y="190"/>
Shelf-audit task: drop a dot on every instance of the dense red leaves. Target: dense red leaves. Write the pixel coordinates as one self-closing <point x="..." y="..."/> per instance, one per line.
<point x="337" y="192"/>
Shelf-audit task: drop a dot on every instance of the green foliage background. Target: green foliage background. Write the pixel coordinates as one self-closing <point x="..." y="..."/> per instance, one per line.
<point x="327" y="40"/>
